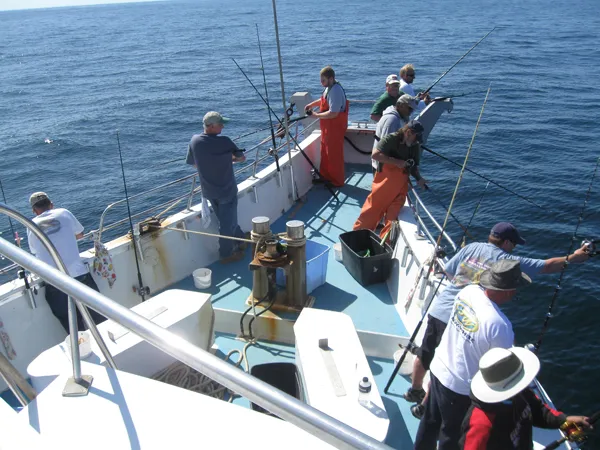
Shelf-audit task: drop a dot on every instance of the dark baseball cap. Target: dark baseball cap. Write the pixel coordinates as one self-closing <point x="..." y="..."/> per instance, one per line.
<point x="506" y="230"/>
<point x="416" y="126"/>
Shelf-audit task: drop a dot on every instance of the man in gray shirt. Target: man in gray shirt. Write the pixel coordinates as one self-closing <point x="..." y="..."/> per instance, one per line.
<point x="213" y="156"/>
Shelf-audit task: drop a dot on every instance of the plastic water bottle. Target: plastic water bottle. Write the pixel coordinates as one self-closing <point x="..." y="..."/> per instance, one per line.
<point x="364" y="391"/>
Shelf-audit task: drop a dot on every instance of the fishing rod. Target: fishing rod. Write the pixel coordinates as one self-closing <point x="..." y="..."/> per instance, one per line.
<point x="464" y="239"/>
<point x="484" y="177"/>
<point x="142" y="291"/>
<point x="427" y="188"/>
<point x="411" y="341"/>
<point x="566" y="263"/>
<point x="439" y="99"/>
<point x="327" y="185"/>
<point x="262" y="68"/>
<point x="459" y="60"/>
<point x="12" y="228"/>
<point x="574" y="433"/>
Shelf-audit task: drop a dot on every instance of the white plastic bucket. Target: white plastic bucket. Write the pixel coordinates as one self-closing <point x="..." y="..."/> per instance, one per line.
<point x="407" y="365"/>
<point x="337" y="248"/>
<point x="202" y="278"/>
<point x="85" y="346"/>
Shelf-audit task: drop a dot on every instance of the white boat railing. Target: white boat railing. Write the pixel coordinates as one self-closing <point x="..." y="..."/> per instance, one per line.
<point x="272" y="399"/>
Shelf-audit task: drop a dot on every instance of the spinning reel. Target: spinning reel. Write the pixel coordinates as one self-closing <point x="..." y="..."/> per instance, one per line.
<point x="592" y="246"/>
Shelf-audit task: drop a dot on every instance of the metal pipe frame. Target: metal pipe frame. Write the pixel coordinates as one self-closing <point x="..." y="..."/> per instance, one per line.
<point x="420" y="203"/>
<point x="73" y="332"/>
<point x="279" y="403"/>
<point x="190" y="195"/>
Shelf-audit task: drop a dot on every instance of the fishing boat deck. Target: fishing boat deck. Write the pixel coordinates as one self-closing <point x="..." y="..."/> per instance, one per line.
<point x="371" y="308"/>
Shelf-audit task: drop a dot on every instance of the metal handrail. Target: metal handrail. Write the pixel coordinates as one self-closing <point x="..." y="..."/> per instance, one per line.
<point x="101" y="229"/>
<point x="272" y="399"/>
<point x="419" y="204"/>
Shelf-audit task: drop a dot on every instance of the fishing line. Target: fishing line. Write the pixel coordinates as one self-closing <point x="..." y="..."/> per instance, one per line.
<point x="566" y="263"/>
<point x="427" y="188"/>
<point x="141" y="289"/>
<point x="484" y="177"/>
<point x="327" y="185"/>
<point x="459" y="60"/>
<point x="464" y="239"/>
<point x="424" y="314"/>
<point x="439" y="99"/>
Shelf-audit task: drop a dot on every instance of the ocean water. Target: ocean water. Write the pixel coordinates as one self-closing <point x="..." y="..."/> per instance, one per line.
<point x="73" y="76"/>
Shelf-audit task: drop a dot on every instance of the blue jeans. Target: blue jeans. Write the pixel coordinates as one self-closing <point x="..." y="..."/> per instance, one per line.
<point x="226" y="211"/>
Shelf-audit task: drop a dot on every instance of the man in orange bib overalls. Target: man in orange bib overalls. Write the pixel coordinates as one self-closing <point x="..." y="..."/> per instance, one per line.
<point x="398" y="155"/>
<point x="333" y="115"/>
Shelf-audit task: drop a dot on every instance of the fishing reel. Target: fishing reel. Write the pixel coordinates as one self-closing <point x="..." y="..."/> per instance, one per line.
<point x="574" y="432"/>
<point x="440" y="252"/>
<point x="308" y="112"/>
<point x="409" y="164"/>
<point x="591" y="246"/>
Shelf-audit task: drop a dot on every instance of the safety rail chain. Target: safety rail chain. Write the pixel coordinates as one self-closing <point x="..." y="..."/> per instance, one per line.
<point x="257" y="391"/>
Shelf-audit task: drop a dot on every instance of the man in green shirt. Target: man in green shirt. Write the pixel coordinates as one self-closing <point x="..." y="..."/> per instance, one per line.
<point x="399" y="154"/>
<point x="388" y="98"/>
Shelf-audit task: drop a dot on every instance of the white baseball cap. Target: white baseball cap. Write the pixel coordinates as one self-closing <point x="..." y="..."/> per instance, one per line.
<point x="392" y="79"/>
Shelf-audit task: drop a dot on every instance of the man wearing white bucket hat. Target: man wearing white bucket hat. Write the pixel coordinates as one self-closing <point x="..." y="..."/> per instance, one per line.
<point x="504" y="410"/>
<point x="476" y="325"/>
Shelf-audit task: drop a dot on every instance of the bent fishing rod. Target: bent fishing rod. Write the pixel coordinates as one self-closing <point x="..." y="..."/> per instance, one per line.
<point x="575" y="433"/>
<point x="327" y="185"/>
<point x="459" y="60"/>
<point x="142" y="290"/>
<point x="536" y="347"/>
<point x="411" y="341"/>
<point x="484" y="177"/>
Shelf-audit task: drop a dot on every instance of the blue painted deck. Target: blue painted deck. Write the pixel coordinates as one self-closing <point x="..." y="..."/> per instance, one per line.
<point x="370" y="307"/>
<point x="403" y="426"/>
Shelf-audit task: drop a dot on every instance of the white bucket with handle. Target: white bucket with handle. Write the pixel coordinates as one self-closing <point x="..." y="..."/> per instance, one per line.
<point x="202" y="278"/>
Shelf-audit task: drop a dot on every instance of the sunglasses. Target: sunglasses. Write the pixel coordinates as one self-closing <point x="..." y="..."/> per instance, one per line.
<point x="410" y="75"/>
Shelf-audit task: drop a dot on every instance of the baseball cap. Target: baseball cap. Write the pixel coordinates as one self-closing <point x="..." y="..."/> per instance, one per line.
<point x="506" y="230"/>
<point x="416" y="126"/>
<point x="392" y="79"/>
<point x="38" y="197"/>
<point x="213" y="117"/>
<point x="407" y="100"/>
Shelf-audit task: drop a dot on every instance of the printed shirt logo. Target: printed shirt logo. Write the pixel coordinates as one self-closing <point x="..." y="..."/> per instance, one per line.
<point x="465" y="319"/>
<point x="49" y="226"/>
<point x="469" y="272"/>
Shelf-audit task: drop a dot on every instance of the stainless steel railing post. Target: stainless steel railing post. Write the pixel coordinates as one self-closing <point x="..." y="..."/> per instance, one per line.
<point x="79" y="384"/>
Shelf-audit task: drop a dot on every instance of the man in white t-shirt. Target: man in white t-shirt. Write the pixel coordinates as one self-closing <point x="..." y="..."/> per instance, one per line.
<point x="63" y="230"/>
<point x="476" y="325"/>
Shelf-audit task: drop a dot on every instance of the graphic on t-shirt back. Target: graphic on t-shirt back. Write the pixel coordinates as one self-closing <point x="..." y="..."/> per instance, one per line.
<point x="469" y="271"/>
<point x="49" y="226"/>
<point x="465" y="319"/>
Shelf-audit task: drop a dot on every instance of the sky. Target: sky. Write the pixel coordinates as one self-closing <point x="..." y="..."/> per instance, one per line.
<point x="28" y="4"/>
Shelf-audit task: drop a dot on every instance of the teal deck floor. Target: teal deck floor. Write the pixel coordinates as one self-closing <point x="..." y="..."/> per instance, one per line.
<point x="371" y="307"/>
<point x="403" y="426"/>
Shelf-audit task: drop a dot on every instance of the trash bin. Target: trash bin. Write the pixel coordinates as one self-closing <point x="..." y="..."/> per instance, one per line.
<point x="365" y="258"/>
<point x="283" y="376"/>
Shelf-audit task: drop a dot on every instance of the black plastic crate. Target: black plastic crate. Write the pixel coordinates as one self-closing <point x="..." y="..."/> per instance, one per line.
<point x="283" y="376"/>
<point x="371" y="269"/>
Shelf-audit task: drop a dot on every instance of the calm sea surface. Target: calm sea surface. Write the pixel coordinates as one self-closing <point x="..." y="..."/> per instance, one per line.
<point x="74" y="76"/>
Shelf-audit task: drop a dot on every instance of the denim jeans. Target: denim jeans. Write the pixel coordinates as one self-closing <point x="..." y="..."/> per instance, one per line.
<point x="226" y="211"/>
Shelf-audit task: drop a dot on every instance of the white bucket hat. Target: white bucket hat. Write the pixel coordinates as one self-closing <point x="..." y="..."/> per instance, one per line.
<point x="503" y="373"/>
